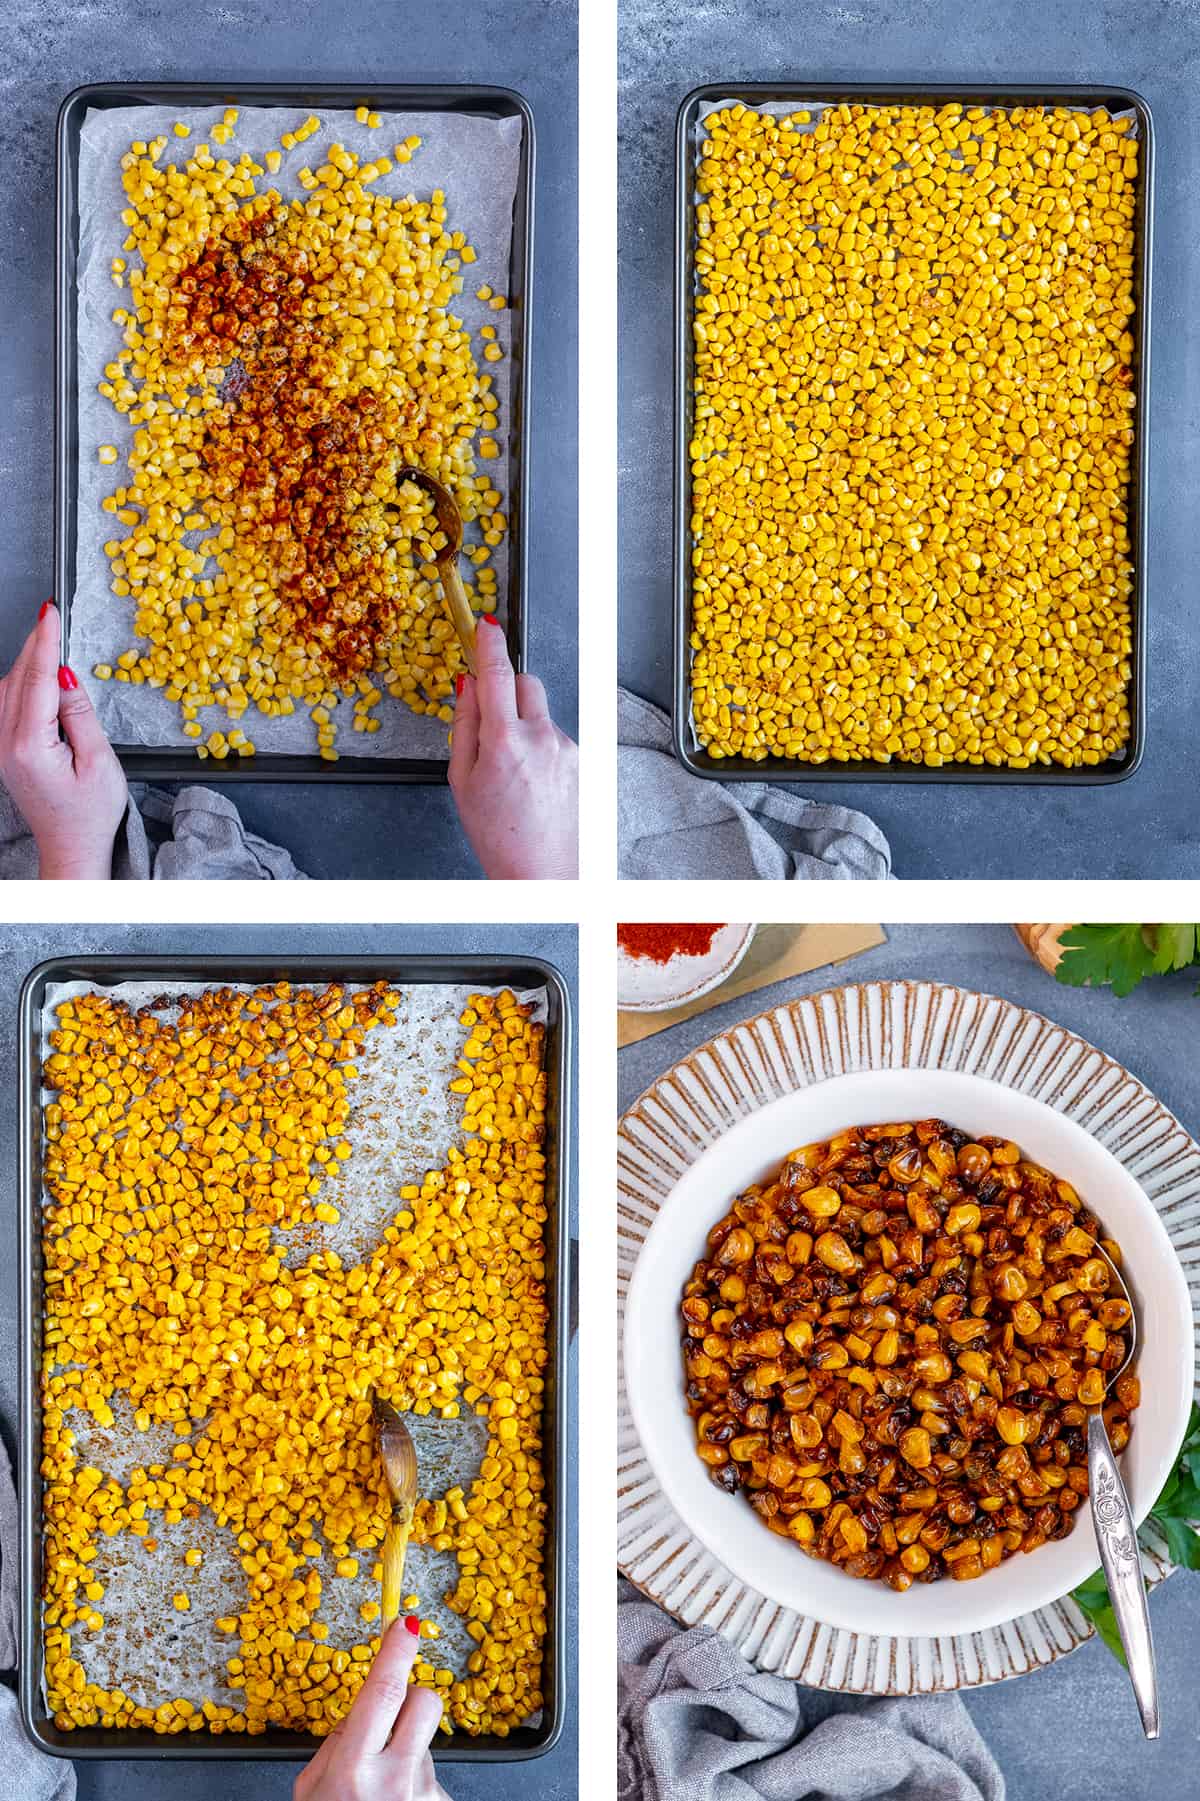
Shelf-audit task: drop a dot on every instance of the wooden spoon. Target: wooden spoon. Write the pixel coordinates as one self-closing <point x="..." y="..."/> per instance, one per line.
<point x="450" y="523"/>
<point x="399" y="1456"/>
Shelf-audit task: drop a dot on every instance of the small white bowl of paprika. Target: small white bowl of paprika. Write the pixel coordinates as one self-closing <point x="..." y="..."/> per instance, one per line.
<point x="663" y="966"/>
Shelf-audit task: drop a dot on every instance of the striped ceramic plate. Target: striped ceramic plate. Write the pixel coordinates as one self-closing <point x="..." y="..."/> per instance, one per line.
<point x="873" y="1026"/>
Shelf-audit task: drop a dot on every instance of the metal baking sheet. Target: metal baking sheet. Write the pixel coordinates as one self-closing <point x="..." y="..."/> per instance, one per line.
<point x="178" y="761"/>
<point x="770" y="94"/>
<point x="448" y="1450"/>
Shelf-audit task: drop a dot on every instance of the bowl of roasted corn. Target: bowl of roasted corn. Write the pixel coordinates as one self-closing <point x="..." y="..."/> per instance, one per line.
<point x="862" y="1336"/>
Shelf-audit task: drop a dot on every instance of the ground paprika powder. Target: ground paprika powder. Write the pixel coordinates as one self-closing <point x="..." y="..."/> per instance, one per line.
<point x="659" y="943"/>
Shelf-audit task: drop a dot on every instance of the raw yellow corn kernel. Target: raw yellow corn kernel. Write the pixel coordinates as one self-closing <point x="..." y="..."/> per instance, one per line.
<point x="207" y="614"/>
<point x="913" y="425"/>
<point x="181" y="130"/>
<point x="107" y="453"/>
<point x="180" y="1602"/>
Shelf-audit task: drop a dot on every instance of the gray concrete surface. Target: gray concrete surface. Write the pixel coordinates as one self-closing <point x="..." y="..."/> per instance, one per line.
<point x="1069" y="1732"/>
<point x="51" y="46"/>
<point x="549" y="1778"/>
<point x="1147" y="826"/>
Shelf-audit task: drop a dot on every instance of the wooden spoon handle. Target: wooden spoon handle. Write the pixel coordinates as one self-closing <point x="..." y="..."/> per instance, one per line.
<point x="395" y="1544"/>
<point x="460" y="611"/>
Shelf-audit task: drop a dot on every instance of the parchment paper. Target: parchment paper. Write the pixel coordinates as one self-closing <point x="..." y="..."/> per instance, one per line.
<point x="402" y="1123"/>
<point x="475" y="161"/>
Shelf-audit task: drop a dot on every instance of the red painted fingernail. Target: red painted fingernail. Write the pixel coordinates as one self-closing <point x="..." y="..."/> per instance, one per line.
<point x="413" y="1625"/>
<point x="67" y="679"/>
<point x="489" y="619"/>
<point x="460" y="682"/>
<point x="45" y="607"/>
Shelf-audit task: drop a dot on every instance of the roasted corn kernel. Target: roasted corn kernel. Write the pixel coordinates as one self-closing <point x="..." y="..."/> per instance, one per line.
<point x="176" y="1153"/>
<point x="881" y="1406"/>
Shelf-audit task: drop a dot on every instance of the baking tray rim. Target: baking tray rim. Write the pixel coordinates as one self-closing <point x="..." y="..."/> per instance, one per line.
<point x="786" y="771"/>
<point x="171" y="763"/>
<point x="300" y="966"/>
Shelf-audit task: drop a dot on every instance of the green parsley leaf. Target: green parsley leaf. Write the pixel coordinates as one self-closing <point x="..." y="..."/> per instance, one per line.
<point x="1114" y="954"/>
<point x="1174" y="947"/>
<point x="1098" y="1609"/>
<point x="1121" y="956"/>
<point x="1182" y="1543"/>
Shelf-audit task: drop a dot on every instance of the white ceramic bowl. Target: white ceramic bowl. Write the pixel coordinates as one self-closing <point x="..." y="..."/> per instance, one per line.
<point x="751" y="1151"/>
<point x="644" y="986"/>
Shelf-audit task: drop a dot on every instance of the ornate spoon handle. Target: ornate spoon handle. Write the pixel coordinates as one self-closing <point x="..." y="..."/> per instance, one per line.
<point x="1117" y="1539"/>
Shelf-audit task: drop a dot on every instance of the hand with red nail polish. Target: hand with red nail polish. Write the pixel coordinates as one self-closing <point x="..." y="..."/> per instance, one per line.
<point x="57" y="763"/>
<point x="380" y="1751"/>
<point x="514" y="776"/>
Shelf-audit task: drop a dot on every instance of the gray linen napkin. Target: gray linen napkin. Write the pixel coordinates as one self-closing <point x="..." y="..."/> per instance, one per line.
<point x="209" y="843"/>
<point x="698" y="1723"/>
<point x="673" y="825"/>
<point x="26" y="1774"/>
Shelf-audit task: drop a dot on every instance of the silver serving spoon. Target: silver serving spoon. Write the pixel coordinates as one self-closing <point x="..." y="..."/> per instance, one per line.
<point x="1116" y="1536"/>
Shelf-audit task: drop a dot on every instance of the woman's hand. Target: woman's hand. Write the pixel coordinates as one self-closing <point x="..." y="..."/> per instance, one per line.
<point x="380" y="1751"/>
<point x="70" y="791"/>
<point x="514" y="776"/>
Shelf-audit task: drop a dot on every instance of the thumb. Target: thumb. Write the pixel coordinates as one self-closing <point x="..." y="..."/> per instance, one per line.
<point x="77" y="716"/>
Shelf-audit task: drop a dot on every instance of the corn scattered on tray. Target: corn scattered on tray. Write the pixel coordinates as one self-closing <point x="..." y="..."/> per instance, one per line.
<point x="911" y="357"/>
<point x="229" y="1595"/>
<point x="245" y="582"/>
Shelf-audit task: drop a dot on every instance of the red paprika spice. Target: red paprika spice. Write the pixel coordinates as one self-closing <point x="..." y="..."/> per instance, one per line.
<point x="660" y="943"/>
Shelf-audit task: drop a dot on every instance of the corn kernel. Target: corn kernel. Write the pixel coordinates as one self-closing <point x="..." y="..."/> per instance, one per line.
<point x="881" y="569"/>
<point x="267" y="1467"/>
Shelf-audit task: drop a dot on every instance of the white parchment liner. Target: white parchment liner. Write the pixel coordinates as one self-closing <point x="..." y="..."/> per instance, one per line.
<point x="476" y="162"/>
<point x="403" y="1120"/>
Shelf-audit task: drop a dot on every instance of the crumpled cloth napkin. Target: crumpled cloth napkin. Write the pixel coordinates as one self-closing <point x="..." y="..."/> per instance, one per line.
<point x="673" y="825"/>
<point x="699" y="1723"/>
<point x="208" y="842"/>
<point x="26" y="1774"/>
